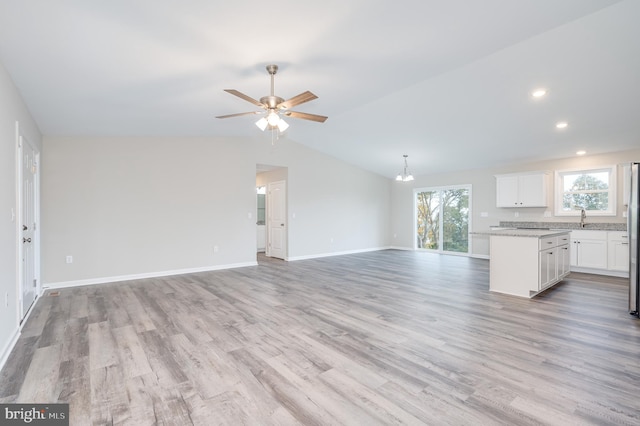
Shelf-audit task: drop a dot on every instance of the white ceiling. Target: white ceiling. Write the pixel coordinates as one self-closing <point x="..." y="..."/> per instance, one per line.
<point x="445" y="81"/>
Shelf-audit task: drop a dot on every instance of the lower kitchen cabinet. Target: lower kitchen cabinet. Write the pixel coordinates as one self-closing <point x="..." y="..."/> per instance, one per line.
<point x="564" y="259"/>
<point x="589" y="249"/>
<point x="523" y="264"/>
<point x="618" y="249"/>
<point x="600" y="252"/>
<point x="548" y="262"/>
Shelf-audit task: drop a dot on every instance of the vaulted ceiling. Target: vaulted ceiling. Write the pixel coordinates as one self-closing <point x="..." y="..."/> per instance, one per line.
<point x="447" y="82"/>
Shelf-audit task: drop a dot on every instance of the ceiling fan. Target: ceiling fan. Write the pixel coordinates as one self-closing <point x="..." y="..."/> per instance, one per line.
<point x="274" y="107"/>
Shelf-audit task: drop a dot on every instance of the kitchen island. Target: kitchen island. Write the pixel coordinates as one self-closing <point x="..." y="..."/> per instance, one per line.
<point x="525" y="262"/>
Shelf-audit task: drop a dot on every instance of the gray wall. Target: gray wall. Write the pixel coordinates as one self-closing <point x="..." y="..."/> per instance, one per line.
<point x="484" y="197"/>
<point x="12" y="109"/>
<point x="127" y="207"/>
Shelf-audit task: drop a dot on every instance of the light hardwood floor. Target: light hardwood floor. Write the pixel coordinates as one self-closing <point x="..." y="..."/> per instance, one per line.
<point x="388" y="337"/>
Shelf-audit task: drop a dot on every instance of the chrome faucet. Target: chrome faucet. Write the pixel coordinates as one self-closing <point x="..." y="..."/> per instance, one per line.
<point x="583" y="216"/>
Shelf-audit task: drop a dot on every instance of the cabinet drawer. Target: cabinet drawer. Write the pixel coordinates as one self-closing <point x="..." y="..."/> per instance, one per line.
<point x="589" y="235"/>
<point x="563" y="239"/>
<point x="547" y="243"/>
<point x="617" y="236"/>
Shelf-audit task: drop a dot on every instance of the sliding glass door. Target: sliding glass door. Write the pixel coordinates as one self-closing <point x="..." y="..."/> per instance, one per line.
<point x="442" y="219"/>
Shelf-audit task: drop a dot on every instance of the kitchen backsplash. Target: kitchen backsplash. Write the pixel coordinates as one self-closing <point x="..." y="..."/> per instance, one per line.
<point x="566" y="225"/>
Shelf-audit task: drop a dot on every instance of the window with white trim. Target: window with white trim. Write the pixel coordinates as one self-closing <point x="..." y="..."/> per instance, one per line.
<point x="593" y="190"/>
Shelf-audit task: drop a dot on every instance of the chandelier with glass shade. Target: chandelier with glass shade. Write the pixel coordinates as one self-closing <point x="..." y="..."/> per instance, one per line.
<point x="405" y="175"/>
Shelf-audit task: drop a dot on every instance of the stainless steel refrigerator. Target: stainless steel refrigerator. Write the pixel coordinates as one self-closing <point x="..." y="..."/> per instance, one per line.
<point x="633" y="228"/>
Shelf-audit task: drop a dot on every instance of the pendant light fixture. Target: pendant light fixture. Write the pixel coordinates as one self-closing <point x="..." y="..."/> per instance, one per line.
<point x="405" y="175"/>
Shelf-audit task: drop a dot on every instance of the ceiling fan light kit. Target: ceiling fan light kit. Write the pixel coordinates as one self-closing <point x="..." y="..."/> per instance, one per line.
<point x="275" y="106"/>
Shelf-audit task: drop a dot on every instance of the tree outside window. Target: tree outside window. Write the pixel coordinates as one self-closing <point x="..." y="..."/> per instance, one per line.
<point x="443" y="219"/>
<point x="591" y="190"/>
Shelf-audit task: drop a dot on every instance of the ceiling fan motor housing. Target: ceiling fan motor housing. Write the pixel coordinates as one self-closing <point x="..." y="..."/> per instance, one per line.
<point x="271" y="101"/>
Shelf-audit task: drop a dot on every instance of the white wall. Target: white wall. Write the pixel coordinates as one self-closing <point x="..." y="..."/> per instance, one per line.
<point x="133" y="206"/>
<point x="12" y="109"/>
<point x="484" y="197"/>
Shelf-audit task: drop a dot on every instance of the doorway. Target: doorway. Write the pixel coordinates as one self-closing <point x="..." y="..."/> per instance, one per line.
<point x="28" y="224"/>
<point x="272" y="233"/>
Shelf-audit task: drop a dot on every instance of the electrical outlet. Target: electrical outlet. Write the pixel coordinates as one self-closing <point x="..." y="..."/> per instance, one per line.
<point x="516" y="214"/>
<point x="69" y="259"/>
<point x="216" y="249"/>
<point x="6" y="299"/>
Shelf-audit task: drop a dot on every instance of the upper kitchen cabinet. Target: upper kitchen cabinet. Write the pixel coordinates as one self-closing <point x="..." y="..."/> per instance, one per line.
<point x="522" y="189"/>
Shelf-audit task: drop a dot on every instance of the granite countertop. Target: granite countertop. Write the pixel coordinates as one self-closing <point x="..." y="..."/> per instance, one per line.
<point x="566" y="225"/>
<point x="532" y="233"/>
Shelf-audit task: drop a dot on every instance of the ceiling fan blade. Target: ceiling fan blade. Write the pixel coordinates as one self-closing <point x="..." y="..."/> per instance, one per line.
<point x="306" y="116"/>
<point x="245" y="97"/>
<point x="297" y="100"/>
<point x="239" y="114"/>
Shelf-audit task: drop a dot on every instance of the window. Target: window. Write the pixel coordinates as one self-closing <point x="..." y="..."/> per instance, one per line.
<point x="591" y="189"/>
<point x="442" y="219"/>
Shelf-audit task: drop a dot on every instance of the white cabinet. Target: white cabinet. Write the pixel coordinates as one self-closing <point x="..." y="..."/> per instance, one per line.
<point x="564" y="259"/>
<point x="600" y="252"/>
<point x="618" y="251"/>
<point x="522" y="190"/>
<point x="589" y="249"/>
<point x="548" y="262"/>
<point x="553" y="259"/>
<point x="523" y="265"/>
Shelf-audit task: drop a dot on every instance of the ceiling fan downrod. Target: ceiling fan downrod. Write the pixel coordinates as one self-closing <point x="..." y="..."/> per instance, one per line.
<point x="272" y="100"/>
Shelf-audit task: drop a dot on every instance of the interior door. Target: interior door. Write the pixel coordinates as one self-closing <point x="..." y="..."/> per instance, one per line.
<point x="28" y="198"/>
<point x="277" y="219"/>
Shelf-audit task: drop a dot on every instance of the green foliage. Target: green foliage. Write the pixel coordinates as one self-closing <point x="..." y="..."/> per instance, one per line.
<point x="455" y="204"/>
<point x="587" y="192"/>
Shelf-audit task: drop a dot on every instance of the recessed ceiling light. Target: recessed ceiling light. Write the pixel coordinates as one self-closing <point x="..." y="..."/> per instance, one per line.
<point x="562" y="125"/>
<point x="538" y="93"/>
<point x="581" y="152"/>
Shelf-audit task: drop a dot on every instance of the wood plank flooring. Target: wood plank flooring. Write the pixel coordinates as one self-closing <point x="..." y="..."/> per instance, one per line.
<point x="388" y="337"/>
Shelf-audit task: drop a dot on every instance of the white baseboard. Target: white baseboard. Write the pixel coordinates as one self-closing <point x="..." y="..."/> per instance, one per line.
<point x="336" y="253"/>
<point x="119" y="278"/>
<point x="6" y="351"/>
<point x="480" y="256"/>
<point x="620" y="274"/>
<point x="401" y="248"/>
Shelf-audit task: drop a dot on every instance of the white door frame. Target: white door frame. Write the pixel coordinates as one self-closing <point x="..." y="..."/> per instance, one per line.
<point x="20" y="141"/>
